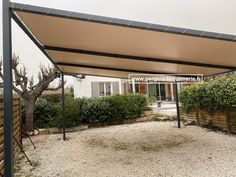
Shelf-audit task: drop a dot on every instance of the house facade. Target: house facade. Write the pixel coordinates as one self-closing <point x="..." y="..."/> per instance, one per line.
<point x="92" y="86"/>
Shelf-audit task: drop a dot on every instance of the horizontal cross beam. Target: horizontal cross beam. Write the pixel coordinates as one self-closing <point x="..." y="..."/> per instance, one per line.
<point x="109" y="68"/>
<point x="137" y="58"/>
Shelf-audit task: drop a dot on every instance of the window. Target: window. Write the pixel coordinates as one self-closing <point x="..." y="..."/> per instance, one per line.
<point x="100" y="89"/>
<point x="115" y="88"/>
<point x="136" y="88"/>
<point x="108" y="88"/>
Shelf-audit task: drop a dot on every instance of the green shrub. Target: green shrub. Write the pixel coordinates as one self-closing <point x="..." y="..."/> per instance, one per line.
<point x="105" y="110"/>
<point x="95" y="110"/>
<point x="72" y="112"/>
<point x="112" y="109"/>
<point x="116" y="107"/>
<point x="190" y="97"/>
<point x="222" y="92"/>
<point x="217" y="94"/>
<point x="54" y="98"/>
<point x="135" y="105"/>
<point x="45" y="114"/>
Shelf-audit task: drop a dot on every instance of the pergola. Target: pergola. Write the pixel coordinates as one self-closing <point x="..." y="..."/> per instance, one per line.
<point x="78" y="43"/>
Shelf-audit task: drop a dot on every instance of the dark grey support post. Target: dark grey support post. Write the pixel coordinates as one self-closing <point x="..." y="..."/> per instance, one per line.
<point x="177" y="104"/>
<point x="63" y="106"/>
<point x="7" y="85"/>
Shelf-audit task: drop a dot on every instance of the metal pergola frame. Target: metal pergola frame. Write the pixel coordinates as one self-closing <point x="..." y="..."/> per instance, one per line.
<point x="8" y="14"/>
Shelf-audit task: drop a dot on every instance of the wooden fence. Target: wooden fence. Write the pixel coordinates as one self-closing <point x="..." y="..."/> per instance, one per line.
<point x="16" y="130"/>
<point x="225" y="120"/>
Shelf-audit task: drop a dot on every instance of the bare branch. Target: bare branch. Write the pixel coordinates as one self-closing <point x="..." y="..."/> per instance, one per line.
<point x="31" y="83"/>
<point x="48" y="75"/>
<point x="25" y="87"/>
<point x="18" y="91"/>
<point x="13" y="86"/>
<point x="19" y="75"/>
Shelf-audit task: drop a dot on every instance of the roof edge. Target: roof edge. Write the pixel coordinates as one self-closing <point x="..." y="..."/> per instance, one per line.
<point x="120" y="22"/>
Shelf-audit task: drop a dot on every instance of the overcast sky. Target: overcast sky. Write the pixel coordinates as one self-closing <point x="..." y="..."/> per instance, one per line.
<point x="208" y="15"/>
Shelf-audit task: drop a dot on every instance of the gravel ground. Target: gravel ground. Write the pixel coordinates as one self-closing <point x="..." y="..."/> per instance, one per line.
<point x="148" y="149"/>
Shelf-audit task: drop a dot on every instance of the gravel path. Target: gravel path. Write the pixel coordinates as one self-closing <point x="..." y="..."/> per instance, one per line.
<point x="148" y="149"/>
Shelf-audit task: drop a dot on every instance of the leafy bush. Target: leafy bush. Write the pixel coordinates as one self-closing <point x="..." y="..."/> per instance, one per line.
<point x="135" y="105"/>
<point x="117" y="106"/>
<point x="95" y="110"/>
<point x="190" y="97"/>
<point x="72" y="112"/>
<point x="45" y="114"/>
<point x="217" y="94"/>
<point x="222" y="92"/>
<point x="112" y="109"/>
<point x="108" y="110"/>
<point x="54" y="98"/>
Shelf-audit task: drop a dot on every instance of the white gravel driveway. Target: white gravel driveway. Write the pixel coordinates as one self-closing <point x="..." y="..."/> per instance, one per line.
<point x="150" y="149"/>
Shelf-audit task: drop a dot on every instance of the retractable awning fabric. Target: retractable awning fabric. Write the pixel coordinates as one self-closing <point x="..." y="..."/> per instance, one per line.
<point x="95" y="45"/>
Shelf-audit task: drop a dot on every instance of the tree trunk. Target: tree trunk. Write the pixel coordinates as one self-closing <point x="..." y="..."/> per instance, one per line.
<point x="29" y="115"/>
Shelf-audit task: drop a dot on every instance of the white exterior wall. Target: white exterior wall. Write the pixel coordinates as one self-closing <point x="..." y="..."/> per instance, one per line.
<point x="83" y="87"/>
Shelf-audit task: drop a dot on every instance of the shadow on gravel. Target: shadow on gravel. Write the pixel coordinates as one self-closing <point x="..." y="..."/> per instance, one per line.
<point x="146" y="146"/>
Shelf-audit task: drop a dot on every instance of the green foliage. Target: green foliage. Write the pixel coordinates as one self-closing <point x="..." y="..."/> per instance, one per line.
<point x="106" y="110"/>
<point x="112" y="109"/>
<point x="117" y="107"/>
<point x="54" y="98"/>
<point x="95" y="110"/>
<point x="72" y="112"/>
<point x="217" y="94"/>
<point x="190" y="97"/>
<point x="45" y="114"/>
<point x="135" y="105"/>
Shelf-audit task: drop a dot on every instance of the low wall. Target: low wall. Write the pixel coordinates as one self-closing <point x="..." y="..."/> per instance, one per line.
<point x="225" y="120"/>
<point x="16" y="130"/>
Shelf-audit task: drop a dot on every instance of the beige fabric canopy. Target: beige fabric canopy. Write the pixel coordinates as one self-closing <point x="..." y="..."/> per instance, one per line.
<point x="103" y="46"/>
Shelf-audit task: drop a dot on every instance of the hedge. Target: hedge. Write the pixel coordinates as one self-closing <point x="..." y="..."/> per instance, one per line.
<point x="72" y="112"/>
<point x="54" y="98"/>
<point x="214" y="95"/>
<point x="104" y="110"/>
<point x="112" y="109"/>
